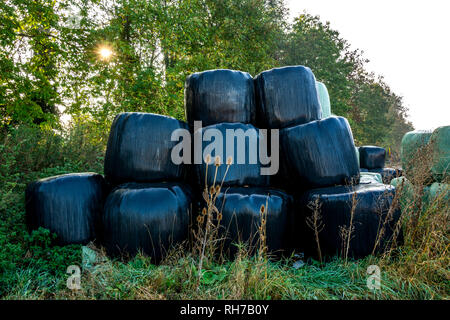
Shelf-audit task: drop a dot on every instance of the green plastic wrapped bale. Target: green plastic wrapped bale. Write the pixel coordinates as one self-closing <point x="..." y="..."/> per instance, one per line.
<point x="370" y="177"/>
<point x="407" y="186"/>
<point x="357" y="155"/>
<point x="436" y="191"/>
<point x="411" y="143"/>
<point x="407" y="191"/>
<point x="441" y="190"/>
<point x="324" y="99"/>
<point x="441" y="153"/>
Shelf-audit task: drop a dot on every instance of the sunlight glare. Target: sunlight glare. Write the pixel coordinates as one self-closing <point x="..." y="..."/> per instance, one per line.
<point x="105" y="53"/>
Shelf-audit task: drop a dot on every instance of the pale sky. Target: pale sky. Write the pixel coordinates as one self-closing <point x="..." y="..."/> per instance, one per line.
<point x="408" y="42"/>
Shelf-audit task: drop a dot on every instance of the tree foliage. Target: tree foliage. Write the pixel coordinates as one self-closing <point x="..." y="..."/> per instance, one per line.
<point x="50" y="64"/>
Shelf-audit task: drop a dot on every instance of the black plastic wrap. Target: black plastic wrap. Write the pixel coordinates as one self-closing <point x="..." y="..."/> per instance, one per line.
<point x="371" y="157"/>
<point x="216" y="96"/>
<point x="319" y="154"/>
<point x="286" y="96"/>
<point x="238" y="174"/>
<point x="241" y="218"/>
<point x="373" y="203"/>
<point x="387" y="174"/>
<point x="69" y="205"/>
<point x="139" y="149"/>
<point x="147" y="217"/>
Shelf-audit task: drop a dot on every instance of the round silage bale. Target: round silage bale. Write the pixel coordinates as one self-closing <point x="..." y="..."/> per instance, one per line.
<point x="370" y="177"/>
<point x="246" y="166"/>
<point x="216" y="96"/>
<point x="412" y="144"/>
<point x="319" y="154"/>
<point x="286" y="96"/>
<point x="139" y="149"/>
<point x="324" y="99"/>
<point x="440" y="139"/>
<point x="336" y="212"/>
<point x="372" y="157"/>
<point x="146" y="217"/>
<point x="387" y="174"/>
<point x="69" y="205"/>
<point x="242" y="217"/>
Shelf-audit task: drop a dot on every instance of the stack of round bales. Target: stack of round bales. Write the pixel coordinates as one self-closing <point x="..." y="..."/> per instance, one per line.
<point x="142" y="204"/>
<point x="319" y="165"/>
<point x="372" y="160"/>
<point x="226" y="156"/>
<point x="425" y="159"/>
<point x="149" y="207"/>
<point x="431" y="146"/>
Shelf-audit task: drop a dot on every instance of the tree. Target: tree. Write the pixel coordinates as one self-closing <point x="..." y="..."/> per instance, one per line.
<point x="28" y="62"/>
<point x="375" y="113"/>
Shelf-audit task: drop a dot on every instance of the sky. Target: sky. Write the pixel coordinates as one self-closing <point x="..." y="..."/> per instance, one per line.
<point x="407" y="42"/>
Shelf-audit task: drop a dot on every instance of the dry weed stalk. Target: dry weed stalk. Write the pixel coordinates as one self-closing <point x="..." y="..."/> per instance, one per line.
<point x="384" y="223"/>
<point x="262" y="255"/>
<point x="424" y="222"/>
<point x="315" y="223"/>
<point x="346" y="232"/>
<point x="398" y="225"/>
<point x="208" y="222"/>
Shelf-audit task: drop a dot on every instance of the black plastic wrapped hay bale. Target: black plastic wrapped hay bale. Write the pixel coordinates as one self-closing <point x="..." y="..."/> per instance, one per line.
<point x="241" y="218"/>
<point x="319" y="154"/>
<point x="335" y="206"/>
<point x="216" y="96"/>
<point x="372" y="157"/>
<point x="139" y="148"/>
<point x="240" y="173"/>
<point x="286" y="96"/>
<point x="387" y="174"/>
<point x="69" y="205"/>
<point x="147" y="217"/>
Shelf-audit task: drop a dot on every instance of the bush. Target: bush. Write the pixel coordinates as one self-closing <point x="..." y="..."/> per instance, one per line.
<point x="26" y="154"/>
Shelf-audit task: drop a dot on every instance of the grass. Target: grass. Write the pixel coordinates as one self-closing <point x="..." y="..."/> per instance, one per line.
<point x="240" y="279"/>
<point x="32" y="268"/>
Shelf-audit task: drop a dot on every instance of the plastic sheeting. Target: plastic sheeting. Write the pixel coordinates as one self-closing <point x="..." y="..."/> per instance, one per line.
<point x="69" y="205"/>
<point x="441" y="190"/>
<point x="146" y="216"/>
<point x="139" y="148"/>
<point x="241" y="218"/>
<point x="216" y="96"/>
<point x="434" y="192"/>
<point x="370" y="177"/>
<point x="319" y="154"/>
<point x="238" y="174"/>
<point x="441" y="153"/>
<point x="373" y="202"/>
<point x="324" y="99"/>
<point x="387" y="174"/>
<point x="357" y="156"/>
<point x="285" y="97"/>
<point x="372" y="157"/>
<point x="411" y="143"/>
